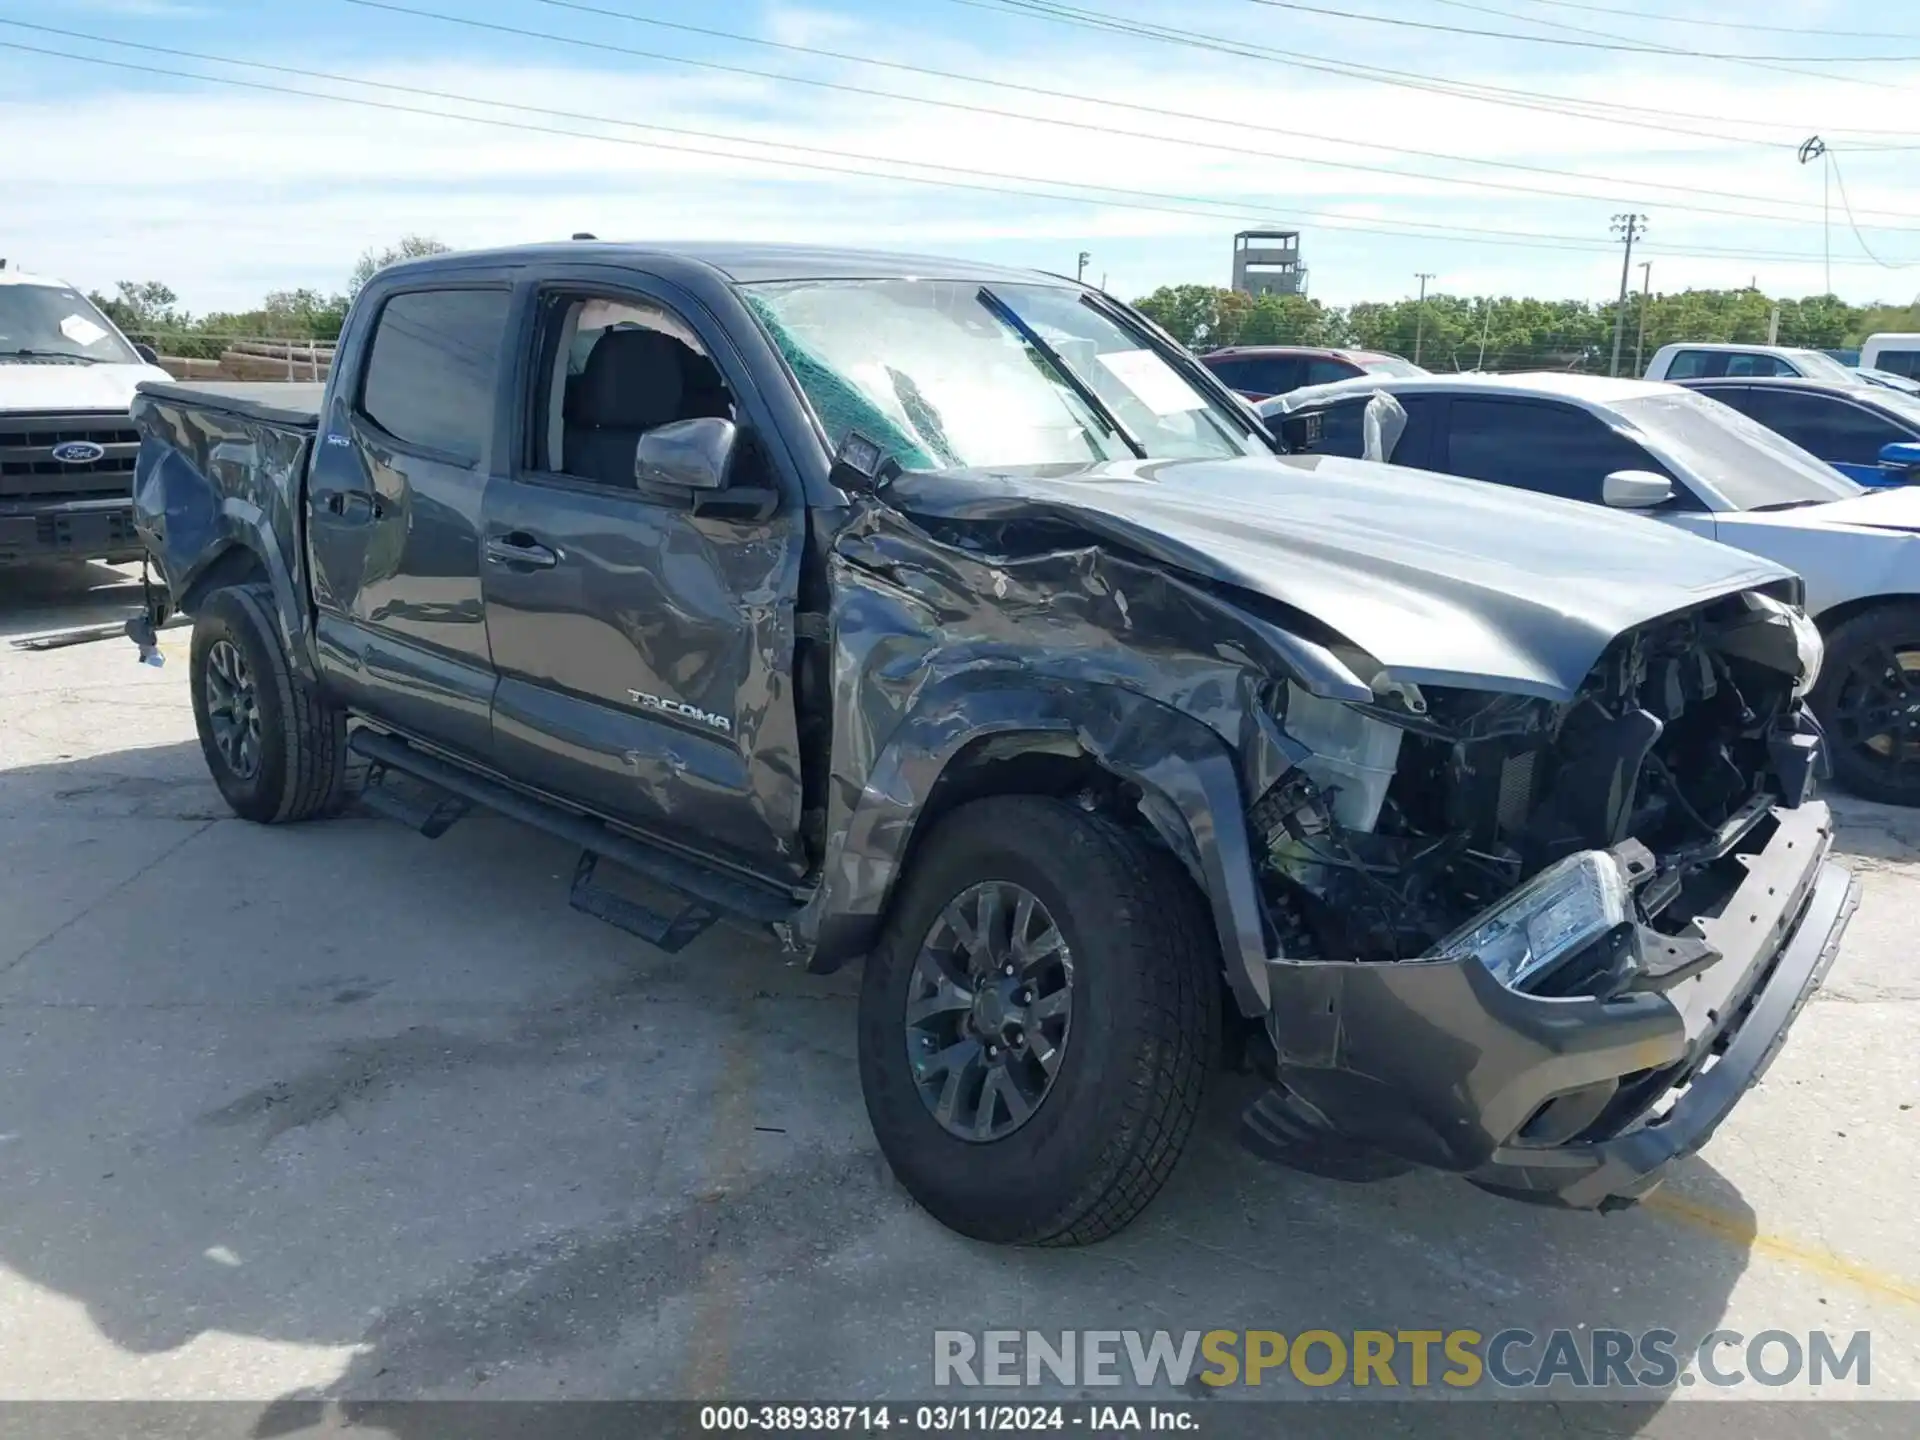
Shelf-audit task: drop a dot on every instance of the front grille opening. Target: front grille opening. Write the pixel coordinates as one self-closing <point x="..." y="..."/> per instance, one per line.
<point x="30" y="471"/>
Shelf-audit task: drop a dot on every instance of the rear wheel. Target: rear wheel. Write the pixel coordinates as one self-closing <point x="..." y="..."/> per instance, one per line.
<point x="1037" y="1021"/>
<point x="277" y="749"/>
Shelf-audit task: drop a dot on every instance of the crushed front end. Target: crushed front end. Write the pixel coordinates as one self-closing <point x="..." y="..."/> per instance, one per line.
<point x="1546" y="944"/>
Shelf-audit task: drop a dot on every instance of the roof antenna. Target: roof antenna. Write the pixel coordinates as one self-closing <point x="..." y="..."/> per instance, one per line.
<point x="584" y="235"/>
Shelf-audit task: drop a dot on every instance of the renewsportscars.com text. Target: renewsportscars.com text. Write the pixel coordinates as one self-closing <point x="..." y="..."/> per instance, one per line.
<point x="1392" y="1359"/>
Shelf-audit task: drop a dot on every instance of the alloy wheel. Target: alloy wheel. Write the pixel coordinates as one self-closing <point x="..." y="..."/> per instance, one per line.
<point x="233" y="709"/>
<point x="988" y="1011"/>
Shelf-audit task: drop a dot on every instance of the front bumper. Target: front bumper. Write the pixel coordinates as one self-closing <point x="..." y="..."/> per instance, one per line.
<point x="88" y="529"/>
<point x="1571" y="1101"/>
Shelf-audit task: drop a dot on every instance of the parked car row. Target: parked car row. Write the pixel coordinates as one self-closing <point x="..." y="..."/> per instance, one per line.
<point x="1259" y="371"/>
<point x="1680" y="457"/>
<point x="956" y="620"/>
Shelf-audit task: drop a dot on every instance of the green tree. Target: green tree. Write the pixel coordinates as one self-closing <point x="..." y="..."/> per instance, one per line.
<point x="372" y="262"/>
<point x="143" y="306"/>
<point x="1290" y="320"/>
<point x="1193" y="314"/>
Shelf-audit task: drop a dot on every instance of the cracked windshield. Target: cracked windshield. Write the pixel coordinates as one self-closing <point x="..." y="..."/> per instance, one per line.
<point x="944" y="374"/>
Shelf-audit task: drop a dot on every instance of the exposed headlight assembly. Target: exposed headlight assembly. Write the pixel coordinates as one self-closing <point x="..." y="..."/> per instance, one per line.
<point x="1553" y="917"/>
<point x="1807" y="644"/>
<point x="1811" y="648"/>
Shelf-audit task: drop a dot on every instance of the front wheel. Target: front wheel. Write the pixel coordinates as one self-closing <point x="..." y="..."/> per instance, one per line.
<point x="1037" y="1021"/>
<point x="1868" y="701"/>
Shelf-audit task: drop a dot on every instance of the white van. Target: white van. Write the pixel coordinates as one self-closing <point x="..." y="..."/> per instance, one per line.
<point x="1898" y="353"/>
<point x="67" y="377"/>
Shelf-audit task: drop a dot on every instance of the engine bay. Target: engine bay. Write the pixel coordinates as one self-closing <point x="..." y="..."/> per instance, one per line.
<point x="1414" y="814"/>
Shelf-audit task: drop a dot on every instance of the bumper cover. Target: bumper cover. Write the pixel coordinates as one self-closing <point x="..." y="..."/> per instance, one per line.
<point x="1439" y="1064"/>
<point x="90" y="529"/>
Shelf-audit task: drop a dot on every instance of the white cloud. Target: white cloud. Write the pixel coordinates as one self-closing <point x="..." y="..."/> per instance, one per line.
<point x="227" y="192"/>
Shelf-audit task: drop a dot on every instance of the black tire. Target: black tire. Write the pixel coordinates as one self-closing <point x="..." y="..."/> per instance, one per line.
<point x="1867" y="699"/>
<point x="301" y="764"/>
<point x="1144" y="1026"/>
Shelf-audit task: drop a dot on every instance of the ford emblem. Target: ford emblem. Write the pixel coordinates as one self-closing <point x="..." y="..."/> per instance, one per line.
<point x="79" y="452"/>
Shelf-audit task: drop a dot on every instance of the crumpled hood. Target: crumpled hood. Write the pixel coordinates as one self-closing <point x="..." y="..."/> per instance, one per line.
<point x="1444" y="581"/>
<point x="72" y="387"/>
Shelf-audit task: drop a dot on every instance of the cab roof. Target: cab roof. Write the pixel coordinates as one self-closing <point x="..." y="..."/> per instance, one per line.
<point x="748" y="264"/>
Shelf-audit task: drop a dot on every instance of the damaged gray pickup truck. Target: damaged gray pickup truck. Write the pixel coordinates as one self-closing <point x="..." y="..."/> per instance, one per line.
<point x="955" y="620"/>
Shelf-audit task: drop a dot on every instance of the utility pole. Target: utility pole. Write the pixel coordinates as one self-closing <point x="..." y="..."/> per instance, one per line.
<point x="1081" y="273"/>
<point x="1420" y="317"/>
<point x="1629" y="228"/>
<point x="1811" y="149"/>
<point x="1646" y="299"/>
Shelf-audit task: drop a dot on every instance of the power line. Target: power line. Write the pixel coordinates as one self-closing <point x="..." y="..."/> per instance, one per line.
<point x="1840" y="184"/>
<point x="1625" y="46"/>
<point x="1754" y="62"/>
<point x="1619" y="12"/>
<point x="1099" y="128"/>
<point x="1604" y="112"/>
<point x="1229" y="208"/>
<point x="935" y="72"/>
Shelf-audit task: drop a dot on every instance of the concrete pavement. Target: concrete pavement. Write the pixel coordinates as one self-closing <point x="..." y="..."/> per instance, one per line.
<point x="332" y="1110"/>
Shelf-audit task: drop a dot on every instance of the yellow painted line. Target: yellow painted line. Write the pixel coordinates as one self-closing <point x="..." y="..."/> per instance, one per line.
<point x="1742" y="1231"/>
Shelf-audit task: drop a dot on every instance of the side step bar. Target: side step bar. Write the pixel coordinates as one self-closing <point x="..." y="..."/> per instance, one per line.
<point x="708" y="893"/>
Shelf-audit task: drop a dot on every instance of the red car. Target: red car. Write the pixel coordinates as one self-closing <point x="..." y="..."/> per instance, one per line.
<point x="1258" y="371"/>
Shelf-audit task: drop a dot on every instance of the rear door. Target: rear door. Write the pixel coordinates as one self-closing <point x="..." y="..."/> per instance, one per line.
<point x="644" y="646"/>
<point x="393" y="519"/>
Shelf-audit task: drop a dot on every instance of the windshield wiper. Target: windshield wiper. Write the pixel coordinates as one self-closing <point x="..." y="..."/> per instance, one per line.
<point x="49" y="355"/>
<point x="1783" y="505"/>
<point x="1007" y="315"/>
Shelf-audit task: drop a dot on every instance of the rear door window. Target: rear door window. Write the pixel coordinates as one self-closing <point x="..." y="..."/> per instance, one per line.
<point x="1322" y="372"/>
<point x="1259" y="374"/>
<point x="431" y="367"/>
<point x="1834" y="429"/>
<point x="1758" y="365"/>
<point x="1531" y="445"/>
<point x="1695" y="364"/>
<point x="1342" y="431"/>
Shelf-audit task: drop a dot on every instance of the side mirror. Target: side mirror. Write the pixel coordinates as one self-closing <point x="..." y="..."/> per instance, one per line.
<point x="1636" y="490"/>
<point x="861" y="467"/>
<point x="1902" y="455"/>
<point x="686" y="455"/>
<point x="146" y="352"/>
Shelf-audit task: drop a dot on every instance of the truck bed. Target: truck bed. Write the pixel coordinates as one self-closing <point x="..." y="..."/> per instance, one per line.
<point x="221" y="469"/>
<point x="293" y="404"/>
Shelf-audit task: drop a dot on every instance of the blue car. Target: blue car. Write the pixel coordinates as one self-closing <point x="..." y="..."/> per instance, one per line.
<point x="1869" y="434"/>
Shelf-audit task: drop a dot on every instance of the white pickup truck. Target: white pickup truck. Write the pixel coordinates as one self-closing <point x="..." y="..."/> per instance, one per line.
<point x="67" y="444"/>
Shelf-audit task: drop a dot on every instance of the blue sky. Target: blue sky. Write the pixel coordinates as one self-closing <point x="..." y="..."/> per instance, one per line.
<point x="227" y="191"/>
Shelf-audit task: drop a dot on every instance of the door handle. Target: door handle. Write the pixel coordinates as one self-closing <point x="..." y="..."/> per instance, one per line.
<point x="356" y="507"/>
<point x="520" y="549"/>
